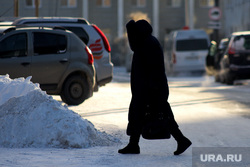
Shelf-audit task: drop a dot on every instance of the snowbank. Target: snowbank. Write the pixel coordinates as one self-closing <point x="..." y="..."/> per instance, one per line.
<point x="31" y="118"/>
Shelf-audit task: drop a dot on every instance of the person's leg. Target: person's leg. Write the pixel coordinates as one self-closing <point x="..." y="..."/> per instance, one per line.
<point x="134" y="127"/>
<point x="132" y="147"/>
<point x="182" y="142"/>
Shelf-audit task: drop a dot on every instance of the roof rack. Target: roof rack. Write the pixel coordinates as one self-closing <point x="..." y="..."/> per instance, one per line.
<point x="26" y="26"/>
<point x="59" y="28"/>
<point x="38" y="20"/>
<point x="9" y="30"/>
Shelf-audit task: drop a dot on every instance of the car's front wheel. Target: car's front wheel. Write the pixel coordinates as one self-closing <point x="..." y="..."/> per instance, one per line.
<point x="75" y="90"/>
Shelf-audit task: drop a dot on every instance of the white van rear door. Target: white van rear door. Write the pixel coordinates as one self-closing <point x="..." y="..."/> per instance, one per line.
<point x="191" y="58"/>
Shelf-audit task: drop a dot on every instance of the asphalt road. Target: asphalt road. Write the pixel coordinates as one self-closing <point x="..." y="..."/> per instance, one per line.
<point x="185" y="91"/>
<point x="209" y="114"/>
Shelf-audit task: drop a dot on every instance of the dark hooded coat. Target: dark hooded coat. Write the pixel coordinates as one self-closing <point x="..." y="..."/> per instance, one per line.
<point x="148" y="79"/>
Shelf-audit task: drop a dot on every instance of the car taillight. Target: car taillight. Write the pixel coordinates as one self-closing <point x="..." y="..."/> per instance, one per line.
<point x="174" y="58"/>
<point x="104" y="38"/>
<point x="231" y="50"/>
<point x="90" y="56"/>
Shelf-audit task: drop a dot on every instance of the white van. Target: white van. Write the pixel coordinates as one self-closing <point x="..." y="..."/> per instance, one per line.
<point x="186" y="51"/>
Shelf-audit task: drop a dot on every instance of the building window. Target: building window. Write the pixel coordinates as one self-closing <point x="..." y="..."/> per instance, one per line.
<point x="207" y="3"/>
<point x="68" y="3"/>
<point x="139" y="3"/>
<point x="32" y="3"/>
<point x="173" y="3"/>
<point x="103" y="3"/>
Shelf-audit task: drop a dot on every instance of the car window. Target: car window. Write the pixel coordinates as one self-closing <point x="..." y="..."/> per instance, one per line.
<point x="241" y="43"/>
<point x="48" y="43"/>
<point x="80" y="33"/>
<point x="191" y="44"/>
<point x="223" y="44"/>
<point x="14" y="46"/>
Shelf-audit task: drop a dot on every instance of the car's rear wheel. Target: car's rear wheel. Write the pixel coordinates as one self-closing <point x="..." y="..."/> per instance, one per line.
<point x="75" y="90"/>
<point x="229" y="79"/>
<point x="222" y="78"/>
<point x="217" y="78"/>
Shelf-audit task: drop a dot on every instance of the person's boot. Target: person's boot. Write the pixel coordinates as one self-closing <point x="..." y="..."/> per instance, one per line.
<point x="132" y="147"/>
<point x="182" y="142"/>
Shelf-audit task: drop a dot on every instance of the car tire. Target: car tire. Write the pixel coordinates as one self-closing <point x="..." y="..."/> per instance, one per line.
<point x="229" y="79"/>
<point x="222" y="78"/>
<point x="217" y="78"/>
<point x="75" y="90"/>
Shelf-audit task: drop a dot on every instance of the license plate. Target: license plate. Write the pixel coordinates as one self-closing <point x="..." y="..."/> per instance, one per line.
<point x="192" y="57"/>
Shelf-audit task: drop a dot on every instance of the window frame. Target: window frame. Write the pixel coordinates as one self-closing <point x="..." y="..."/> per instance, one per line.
<point x="139" y="4"/>
<point x="207" y="5"/>
<point x="33" y="4"/>
<point x="68" y="4"/>
<point x="173" y="4"/>
<point x="103" y="4"/>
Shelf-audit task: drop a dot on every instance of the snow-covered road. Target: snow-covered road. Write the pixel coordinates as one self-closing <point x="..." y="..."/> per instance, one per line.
<point x="210" y="114"/>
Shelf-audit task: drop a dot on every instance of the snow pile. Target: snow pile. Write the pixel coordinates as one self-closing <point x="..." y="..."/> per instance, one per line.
<point x="16" y="88"/>
<point x="31" y="118"/>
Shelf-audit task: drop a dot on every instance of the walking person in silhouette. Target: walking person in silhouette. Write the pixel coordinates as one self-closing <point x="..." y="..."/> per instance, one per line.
<point x="148" y="85"/>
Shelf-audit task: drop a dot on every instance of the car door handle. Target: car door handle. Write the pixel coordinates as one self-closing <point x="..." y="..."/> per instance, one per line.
<point x="25" y="63"/>
<point x="64" y="61"/>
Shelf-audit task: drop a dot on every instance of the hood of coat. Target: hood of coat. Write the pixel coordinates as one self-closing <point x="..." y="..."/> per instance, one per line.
<point x="138" y="32"/>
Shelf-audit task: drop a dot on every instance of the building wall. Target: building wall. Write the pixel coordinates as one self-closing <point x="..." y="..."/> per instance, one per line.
<point x="104" y="17"/>
<point x="171" y="18"/>
<point x="130" y="8"/>
<point x="6" y="9"/>
<point x="235" y="15"/>
<point x="49" y="8"/>
<point x="201" y="17"/>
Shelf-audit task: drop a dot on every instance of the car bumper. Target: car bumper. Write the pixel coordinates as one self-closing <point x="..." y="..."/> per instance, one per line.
<point x="188" y="68"/>
<point x="105" y="75"/>
<point x="241" y="72"/>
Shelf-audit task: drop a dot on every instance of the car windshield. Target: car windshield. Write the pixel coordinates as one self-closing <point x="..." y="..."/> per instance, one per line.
<point x="241" y="43"/>
<point x="191" y="44"/>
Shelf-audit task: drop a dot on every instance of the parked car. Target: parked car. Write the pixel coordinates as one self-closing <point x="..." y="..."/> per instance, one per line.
<point x="90" y="34"/>
<point x="218" y="56"/>
<point x="55" y="58"/>
<point x="235" y="63"/>
<point x="186" y="50"/>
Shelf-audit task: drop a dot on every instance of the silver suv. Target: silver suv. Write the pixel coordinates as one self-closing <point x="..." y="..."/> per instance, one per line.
<point x="90" y="34"/>
<point x="55" y="58"/>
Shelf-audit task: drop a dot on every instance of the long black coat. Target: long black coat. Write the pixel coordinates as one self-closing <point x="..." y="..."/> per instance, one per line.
<point x="148" y="79"/>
